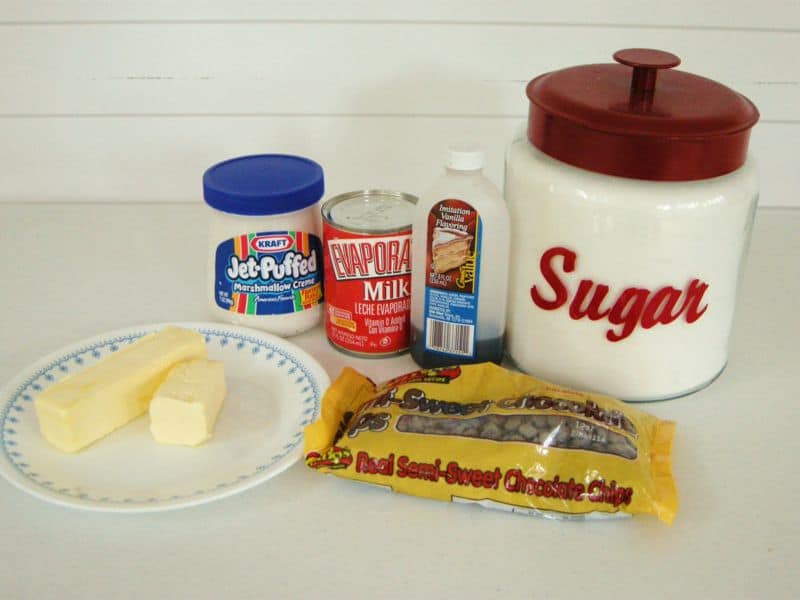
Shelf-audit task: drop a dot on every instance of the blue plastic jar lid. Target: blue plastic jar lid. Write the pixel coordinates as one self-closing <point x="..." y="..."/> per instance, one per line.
<point x="263" y="184"/>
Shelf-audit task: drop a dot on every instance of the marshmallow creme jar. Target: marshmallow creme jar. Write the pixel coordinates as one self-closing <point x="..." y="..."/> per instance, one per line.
<point x="632" y="200"/>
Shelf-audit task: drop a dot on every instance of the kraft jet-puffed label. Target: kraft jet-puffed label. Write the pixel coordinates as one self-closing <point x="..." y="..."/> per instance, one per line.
<point x="269" y="273"/>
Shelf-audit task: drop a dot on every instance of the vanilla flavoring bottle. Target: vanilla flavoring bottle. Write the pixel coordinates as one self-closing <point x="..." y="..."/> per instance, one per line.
<point x="460" y="266"/>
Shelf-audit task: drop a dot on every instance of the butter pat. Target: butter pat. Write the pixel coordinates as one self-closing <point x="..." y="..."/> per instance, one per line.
<point x="185" y="407"/>
<point x="92" y="403"/>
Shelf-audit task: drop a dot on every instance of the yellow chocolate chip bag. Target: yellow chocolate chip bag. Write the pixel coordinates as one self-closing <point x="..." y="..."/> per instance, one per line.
<point x="481" y="433"/>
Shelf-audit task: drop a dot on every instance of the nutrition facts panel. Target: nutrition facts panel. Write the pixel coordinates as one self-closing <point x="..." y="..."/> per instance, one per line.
<point x="307" y="535"/>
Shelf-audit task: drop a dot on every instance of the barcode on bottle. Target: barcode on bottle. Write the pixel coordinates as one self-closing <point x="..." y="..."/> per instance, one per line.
<point x="451" y="338"/>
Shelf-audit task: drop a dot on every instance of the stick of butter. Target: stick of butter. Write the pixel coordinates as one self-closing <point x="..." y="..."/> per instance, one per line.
<point x="90" y="404"/>
<point x="185" y="407"/>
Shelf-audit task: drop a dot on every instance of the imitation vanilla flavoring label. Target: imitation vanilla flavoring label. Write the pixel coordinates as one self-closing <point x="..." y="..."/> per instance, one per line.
<point x="269" y="273"/>
<point x="451" y="281"/>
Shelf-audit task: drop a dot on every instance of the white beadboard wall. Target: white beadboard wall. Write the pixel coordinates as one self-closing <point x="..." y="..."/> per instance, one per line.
<point x="111" y="101"/>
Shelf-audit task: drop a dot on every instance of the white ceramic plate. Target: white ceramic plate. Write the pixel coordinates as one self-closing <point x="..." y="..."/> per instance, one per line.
<point x="274" y="391"/>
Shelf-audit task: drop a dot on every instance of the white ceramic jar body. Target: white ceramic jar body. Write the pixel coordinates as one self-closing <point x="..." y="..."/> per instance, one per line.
<point x="623" y="286"/>
<point x="225" y="226"/>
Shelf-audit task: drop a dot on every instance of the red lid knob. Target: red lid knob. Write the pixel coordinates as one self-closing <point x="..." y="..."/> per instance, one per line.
<point x="645" y="63"/>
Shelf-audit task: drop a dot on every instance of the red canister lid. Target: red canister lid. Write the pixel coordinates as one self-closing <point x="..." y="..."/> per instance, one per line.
<point x="640" y="119"/>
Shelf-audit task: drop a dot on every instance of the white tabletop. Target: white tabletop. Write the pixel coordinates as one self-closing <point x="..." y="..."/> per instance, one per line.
<point x="71" y="271"/>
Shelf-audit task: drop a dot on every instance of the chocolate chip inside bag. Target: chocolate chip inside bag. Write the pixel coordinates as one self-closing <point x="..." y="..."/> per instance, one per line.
<point x="569" y="432"/>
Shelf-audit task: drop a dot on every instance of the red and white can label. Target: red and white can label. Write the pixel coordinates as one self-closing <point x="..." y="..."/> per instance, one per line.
<point x="367" y="290"/>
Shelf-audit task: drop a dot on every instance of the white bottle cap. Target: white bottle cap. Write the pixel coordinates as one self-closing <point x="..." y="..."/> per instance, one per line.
<point x="465" y="157"/>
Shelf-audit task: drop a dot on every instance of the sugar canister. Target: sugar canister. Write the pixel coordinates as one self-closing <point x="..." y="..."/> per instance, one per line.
<point x="632" y="199"/>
